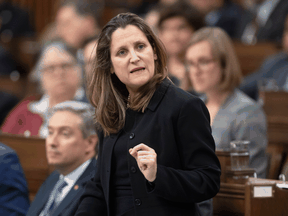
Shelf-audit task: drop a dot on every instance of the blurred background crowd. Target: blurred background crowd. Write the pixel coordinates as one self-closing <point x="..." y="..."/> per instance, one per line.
<point x="47" y="50"/>
<point x="29" y="27"/>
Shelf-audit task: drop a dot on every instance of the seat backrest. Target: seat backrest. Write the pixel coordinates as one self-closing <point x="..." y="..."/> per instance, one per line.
<point x="252" y="56"/>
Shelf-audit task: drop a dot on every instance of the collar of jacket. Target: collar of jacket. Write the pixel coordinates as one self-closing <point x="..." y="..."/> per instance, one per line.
<point x="159" y="94"/>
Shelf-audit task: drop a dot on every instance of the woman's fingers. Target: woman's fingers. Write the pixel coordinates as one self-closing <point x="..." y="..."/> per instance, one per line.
<point x="146" y="160"/>
<point x="139" y="148"/>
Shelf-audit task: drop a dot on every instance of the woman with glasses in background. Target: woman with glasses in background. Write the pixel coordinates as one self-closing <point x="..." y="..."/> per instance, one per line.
<point x="60" y="77"/>
<point x="214" y="71"/>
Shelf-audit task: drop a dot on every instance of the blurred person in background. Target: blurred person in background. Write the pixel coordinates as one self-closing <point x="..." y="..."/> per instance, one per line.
<point x="225" y="14"/>
<point x="215" y="72"/>
<point x="263" y="21"/>
<point x="78" y="20"/>
<point x="176" y="25"/>
<point x="14" y="195"/>
<point x="274" y="67"/>
<point x="60" y="76"/>
<point x="71" y="147"/>
<point x="152" y="14"/>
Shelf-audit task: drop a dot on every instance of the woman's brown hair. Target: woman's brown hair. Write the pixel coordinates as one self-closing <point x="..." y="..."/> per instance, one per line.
<point x="106" y="92"/>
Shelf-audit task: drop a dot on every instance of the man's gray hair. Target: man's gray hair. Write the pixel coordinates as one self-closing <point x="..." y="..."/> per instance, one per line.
<point x="84" y="110"/>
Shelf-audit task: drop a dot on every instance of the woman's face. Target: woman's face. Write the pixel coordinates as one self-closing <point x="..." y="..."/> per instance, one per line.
<point x="205" y="71"/>
<point x="175" y="33"/>
<point x="132" y="57"/>
<point x="60" y="73"/>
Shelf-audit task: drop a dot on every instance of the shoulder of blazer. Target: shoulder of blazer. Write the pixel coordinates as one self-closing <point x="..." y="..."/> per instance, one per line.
<point x="4" y="150"/>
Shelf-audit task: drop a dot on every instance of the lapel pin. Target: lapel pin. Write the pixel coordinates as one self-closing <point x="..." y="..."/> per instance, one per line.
<point x="76" y="187"/>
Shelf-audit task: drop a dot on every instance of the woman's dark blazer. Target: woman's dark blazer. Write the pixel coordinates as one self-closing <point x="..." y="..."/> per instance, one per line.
<point x="177" y="126"/>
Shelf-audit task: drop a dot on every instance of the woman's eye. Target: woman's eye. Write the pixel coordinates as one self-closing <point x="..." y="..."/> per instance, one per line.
<point x="121" y="52"/>
<point x="141" y="46"/>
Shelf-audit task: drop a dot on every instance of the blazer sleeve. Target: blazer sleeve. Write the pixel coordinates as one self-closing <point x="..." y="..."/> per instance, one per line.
<point x="251" y="125"/>
<point x="92" y="201"/>
<point x="14" y="199"/>
<point x="199" y="177"/>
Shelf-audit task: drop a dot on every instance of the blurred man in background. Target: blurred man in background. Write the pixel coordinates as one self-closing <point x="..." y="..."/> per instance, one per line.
<point x="78" y="20"/>
<point x="71" y="147"/>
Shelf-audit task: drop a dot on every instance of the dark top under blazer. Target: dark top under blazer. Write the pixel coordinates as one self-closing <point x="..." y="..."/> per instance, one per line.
<point x="68" y="205"/>
<point x="177" y="126"/>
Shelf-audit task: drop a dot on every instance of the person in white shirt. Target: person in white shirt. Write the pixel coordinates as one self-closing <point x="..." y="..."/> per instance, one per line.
<point x="71" y="147"/>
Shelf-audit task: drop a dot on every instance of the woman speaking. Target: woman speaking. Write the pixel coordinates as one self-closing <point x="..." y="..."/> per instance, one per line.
<point x="157" y="154"/>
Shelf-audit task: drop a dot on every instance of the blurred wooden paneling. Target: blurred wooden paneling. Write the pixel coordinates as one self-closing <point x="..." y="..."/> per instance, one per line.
<point x="17" y="87"/>
<point x="252" y="56"/>
<point x="42" y="11"/>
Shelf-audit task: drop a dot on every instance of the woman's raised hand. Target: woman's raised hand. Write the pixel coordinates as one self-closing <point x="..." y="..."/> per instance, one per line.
<point x="146" y="160"/>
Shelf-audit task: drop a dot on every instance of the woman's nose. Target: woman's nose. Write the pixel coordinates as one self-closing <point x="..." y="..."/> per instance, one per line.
<point x="134" y="57"/>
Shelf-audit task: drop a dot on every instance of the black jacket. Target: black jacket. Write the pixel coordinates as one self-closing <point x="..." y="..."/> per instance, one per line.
<point x="177" y="126"/>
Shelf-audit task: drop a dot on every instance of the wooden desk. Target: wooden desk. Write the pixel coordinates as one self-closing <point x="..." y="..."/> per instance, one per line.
<point x="32" y="155"/>
<point x="239" y="199"/>
<point x="275" y="205"/>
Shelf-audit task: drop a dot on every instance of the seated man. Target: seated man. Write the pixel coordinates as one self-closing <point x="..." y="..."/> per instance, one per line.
<point x="71" y="147"/>
<point x="274" y="67"/>
<point x="14" y="199"/>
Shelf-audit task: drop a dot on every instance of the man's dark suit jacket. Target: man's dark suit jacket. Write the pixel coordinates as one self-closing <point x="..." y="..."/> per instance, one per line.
<point x="273" y="29"/>
<point x="177" y="126"/>
<point x="68" y="205"/>
<point x="14" y="198"/>
<point x="7" y="102"/>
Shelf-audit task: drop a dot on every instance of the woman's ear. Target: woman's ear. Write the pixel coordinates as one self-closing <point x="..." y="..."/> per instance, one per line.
<point x="155" y="56"/>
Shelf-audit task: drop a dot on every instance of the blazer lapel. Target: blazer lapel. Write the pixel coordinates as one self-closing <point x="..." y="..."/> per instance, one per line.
<point x="42" y="196"/>
<point x="78" y="187"/>
<point x="69" y="198"/>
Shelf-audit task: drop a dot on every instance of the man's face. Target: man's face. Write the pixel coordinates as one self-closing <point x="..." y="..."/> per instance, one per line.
<point x="175" y="33"/>
<point x="66" y="149"/>
<point x="71" y="26"/>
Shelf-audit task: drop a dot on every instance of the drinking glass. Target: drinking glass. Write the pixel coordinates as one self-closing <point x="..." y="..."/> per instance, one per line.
<point x="239" y="152"/>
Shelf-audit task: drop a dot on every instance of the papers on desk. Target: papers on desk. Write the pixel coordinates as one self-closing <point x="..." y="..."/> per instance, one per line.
<point x="282" y="185"/>
<point x="262" y="191"/>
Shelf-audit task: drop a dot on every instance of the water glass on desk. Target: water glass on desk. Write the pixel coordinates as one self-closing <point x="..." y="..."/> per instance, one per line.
<point x="239" y="152"/>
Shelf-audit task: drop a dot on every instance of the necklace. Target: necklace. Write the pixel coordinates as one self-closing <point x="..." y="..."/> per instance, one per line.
<point x="128" y="101"/>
